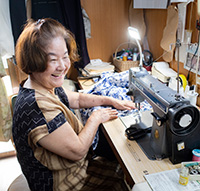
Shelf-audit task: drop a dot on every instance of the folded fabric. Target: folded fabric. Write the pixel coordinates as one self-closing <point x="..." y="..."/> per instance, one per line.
<point x="97" y="67"/>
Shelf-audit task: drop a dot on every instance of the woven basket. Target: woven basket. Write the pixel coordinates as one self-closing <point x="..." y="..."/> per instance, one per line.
<point x="120" y="65"/>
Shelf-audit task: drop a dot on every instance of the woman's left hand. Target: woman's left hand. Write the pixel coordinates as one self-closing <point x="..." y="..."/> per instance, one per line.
<point x="123" y="104"/>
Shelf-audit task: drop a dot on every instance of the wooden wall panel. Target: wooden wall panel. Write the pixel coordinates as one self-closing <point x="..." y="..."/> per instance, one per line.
<point x="155" y="23"/>
<point x="109" y="23"/>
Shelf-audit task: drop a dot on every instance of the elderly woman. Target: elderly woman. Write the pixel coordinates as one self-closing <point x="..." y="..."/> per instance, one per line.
<point x="53" y="147"/>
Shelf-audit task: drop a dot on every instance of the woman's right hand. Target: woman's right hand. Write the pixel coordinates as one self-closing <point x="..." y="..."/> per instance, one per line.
<point x="103" y="115"/>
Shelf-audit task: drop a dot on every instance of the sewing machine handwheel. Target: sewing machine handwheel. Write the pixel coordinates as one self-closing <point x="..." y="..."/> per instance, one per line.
<point x="185" y="121"/>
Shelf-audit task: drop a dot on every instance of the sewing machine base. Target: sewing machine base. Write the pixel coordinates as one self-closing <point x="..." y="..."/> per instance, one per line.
<point x="145" y="145"/>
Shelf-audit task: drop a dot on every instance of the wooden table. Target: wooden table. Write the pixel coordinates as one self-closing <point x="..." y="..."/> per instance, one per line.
<point x="130" y="155"/>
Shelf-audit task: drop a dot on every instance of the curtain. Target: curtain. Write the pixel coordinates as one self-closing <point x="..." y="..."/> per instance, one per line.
<point x="5" y="110"/>
<point x="6" y="37"/>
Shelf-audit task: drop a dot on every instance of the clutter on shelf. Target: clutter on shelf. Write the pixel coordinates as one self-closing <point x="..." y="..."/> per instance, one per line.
<point x="125" y="58"/>
<point x="167" y="75"/>
<point x="96" y="67"/>
<point x="129" y="57"/>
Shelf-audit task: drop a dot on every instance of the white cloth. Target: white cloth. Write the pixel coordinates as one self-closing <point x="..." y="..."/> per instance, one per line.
<point x="6" y="36"/>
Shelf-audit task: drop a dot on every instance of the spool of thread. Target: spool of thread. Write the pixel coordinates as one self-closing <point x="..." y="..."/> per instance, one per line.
<point x="183" y="81"/>
<point x="196" y="155"/>
<point x="124" y="58"/>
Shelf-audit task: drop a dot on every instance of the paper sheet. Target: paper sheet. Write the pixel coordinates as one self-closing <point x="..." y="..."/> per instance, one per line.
<point x="150" y="4"/>
<point x="169" y="180"/>
<point x="182" y="7"/>
<point x="178" y="1"/>
<point x="183" y="48"/>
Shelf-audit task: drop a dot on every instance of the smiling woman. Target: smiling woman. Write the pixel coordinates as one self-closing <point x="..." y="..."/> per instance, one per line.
<point x="53" y="147"/>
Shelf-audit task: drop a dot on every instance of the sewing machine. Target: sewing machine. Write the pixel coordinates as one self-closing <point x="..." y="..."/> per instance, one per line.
<point x="176" y="127"/>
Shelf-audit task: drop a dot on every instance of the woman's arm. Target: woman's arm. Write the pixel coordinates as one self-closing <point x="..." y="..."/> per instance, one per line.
<point x="83" y="100"/>
<point x="66" y="143"/>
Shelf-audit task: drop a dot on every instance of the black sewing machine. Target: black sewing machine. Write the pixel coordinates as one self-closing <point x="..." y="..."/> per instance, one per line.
<point x="176" y="126"/>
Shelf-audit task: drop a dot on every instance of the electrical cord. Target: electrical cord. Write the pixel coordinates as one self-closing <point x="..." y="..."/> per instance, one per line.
<point x="134" y="133"/>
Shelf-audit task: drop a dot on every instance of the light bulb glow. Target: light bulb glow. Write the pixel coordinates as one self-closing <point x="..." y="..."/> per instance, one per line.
<point x="134" y="33"/>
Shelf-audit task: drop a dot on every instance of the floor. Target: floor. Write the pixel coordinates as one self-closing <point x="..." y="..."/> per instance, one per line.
<point x="9" y="166"/>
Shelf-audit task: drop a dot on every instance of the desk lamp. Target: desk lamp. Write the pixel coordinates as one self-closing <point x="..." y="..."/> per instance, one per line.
<point x="134" y="33"/>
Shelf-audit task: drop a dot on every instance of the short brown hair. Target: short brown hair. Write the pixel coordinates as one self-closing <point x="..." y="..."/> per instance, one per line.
<point x="31" y="55"/>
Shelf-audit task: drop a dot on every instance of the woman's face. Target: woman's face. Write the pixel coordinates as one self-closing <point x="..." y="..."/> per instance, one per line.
<point x="57" y="66"/>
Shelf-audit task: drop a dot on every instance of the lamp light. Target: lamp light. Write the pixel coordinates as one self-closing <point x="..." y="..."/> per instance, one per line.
<point x="134" y="33"/>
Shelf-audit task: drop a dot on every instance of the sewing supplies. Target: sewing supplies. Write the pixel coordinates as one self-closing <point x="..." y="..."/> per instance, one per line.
<point x="193" y="169"/>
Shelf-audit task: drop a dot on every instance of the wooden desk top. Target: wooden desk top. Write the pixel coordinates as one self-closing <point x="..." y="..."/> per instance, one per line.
<point x="133" y="158"/>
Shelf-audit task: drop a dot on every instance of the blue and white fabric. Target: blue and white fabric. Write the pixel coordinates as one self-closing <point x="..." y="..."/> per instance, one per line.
<point x="114" y="85"/>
